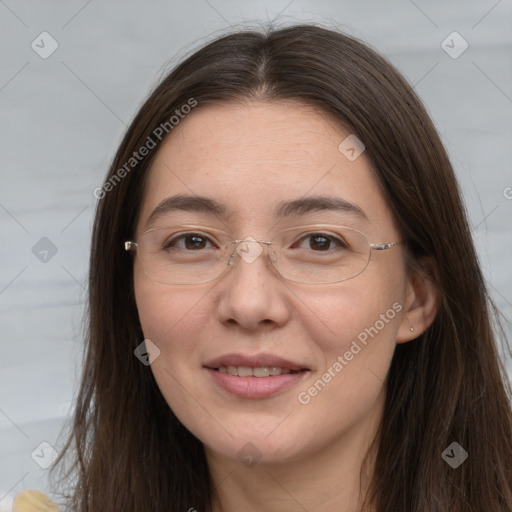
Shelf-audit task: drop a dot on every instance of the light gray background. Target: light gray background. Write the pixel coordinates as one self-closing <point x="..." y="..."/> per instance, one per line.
<point x="63" y="117"/>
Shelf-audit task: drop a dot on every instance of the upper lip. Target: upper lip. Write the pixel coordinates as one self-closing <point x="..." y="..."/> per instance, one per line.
<point x="254" y="361"/>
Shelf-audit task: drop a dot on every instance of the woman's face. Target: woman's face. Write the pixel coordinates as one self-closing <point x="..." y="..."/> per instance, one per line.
<point x="331" y="343"/>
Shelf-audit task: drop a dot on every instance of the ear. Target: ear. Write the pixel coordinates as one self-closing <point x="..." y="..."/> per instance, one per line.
<point x="421" y="303"/>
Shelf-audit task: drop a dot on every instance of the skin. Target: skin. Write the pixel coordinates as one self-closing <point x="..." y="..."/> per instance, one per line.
<point x="249" y="157"/>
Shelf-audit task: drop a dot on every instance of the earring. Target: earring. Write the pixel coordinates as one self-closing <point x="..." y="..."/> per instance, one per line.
<point x="412" y="328"/>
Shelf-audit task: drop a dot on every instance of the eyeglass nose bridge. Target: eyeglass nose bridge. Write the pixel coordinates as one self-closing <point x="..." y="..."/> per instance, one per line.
<point x="249" y="249"/>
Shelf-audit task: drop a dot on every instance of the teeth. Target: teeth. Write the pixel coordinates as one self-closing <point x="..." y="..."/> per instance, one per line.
<point x="244" y="371"/>
<point x="260" y="371"/>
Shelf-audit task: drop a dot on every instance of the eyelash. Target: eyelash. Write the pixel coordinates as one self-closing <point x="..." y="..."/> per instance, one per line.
<point x="171" y="244"/>
<point x="331" y="238"/>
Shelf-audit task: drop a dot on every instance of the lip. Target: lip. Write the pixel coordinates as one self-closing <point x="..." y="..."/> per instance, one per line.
<point x="255" y="387"/>
<point x="254" y="361"/>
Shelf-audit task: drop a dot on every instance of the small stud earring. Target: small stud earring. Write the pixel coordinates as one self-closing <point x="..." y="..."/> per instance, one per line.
<point x="412" y="328"/>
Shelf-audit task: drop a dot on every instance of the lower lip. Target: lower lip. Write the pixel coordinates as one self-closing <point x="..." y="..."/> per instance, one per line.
<point x="255" y="387"/>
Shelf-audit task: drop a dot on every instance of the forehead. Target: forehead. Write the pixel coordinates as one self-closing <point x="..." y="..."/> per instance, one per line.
<point x="251" y="157"/>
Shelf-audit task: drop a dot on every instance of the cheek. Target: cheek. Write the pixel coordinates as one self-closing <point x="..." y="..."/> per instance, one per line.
<point x="347" y="392"/>
<point x="366" y="308"/>
<point x="162" y="308"/>
<point x="172" y="319"/>
<point x="175" y="319"/>
<point x="171" y="322"/>
<point x="354" y="330"/>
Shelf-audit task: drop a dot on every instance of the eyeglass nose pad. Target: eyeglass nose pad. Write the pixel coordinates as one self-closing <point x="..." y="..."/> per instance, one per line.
<point x="232" y="258"/>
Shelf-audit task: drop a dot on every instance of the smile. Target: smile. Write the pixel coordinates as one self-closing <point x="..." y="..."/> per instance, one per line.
<point x="254" y="376"/>
<point x="258" y="371"/>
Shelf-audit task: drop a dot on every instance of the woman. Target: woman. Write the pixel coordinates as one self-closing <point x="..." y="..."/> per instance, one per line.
<point x="282" y="226"/>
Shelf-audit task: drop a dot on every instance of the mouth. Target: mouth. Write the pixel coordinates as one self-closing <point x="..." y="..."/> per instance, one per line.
<point x="255" y="377"/>
<point x="257" y="371"/>
<point x="258" y="365"/>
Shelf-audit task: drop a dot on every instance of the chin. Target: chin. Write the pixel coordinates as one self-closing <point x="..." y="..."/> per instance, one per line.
<point x="261" y="442"/>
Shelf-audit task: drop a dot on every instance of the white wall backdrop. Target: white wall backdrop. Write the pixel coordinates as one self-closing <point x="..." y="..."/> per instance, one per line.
<point x="72" y="75"/>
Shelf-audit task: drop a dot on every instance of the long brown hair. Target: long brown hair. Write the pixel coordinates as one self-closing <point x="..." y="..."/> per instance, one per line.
<point x="130" y="452"/>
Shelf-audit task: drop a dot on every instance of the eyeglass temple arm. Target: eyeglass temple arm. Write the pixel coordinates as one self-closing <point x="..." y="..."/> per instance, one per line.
<point x="383" y="247"/>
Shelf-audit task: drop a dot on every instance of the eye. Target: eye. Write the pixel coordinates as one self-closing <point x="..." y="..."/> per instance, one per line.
<point x="320" y="242"/>
<point x="188" y="241"/>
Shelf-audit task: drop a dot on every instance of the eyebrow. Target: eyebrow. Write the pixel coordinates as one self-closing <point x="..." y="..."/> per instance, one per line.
<point x="310" y="204"/>
<point x="187" y="204"/>
<point x="298" y="207"/>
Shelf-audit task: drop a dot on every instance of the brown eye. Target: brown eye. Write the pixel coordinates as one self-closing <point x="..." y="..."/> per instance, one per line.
<point x="195" y="242"/>
<point x="320" y="242"/>
<point x="188" y="241"/>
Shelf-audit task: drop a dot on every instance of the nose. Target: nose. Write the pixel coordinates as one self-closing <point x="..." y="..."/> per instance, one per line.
<point x="252" y="295"/>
